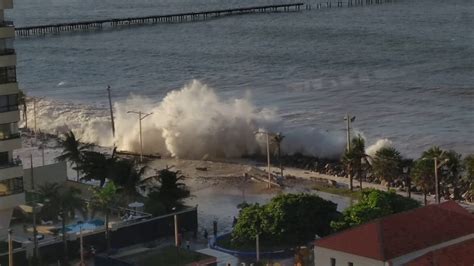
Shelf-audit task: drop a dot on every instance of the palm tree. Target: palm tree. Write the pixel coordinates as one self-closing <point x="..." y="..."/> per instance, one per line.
<point x="22" y="101"/>
<point x="72" y="150"/>
<point x="278" y="139"/>
<point x="103" y="199"/>
<point x="97" y="166"/>
<point x="452" y="174"/>
<point x="469" y="175"/>
<point x="169" y="193"/>
<point x="387" y="164"/>
<point x="423" y="176"/>
<point x="64" y="202"/>
<point x="127" y="175"/>
<point x="355" y="159"/>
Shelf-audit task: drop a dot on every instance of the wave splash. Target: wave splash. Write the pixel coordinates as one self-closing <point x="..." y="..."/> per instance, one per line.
<point x="192" y="122"/>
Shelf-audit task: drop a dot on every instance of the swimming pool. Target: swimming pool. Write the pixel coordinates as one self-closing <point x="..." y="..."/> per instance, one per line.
<point x="88" y="225"/>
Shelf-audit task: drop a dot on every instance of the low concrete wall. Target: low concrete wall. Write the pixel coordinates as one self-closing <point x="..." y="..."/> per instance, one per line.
<point x="123" y="236"/>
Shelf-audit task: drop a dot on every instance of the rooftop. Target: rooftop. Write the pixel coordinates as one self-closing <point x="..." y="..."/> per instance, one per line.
<point x="460" y="254"/>
<point x="402" y="233"/>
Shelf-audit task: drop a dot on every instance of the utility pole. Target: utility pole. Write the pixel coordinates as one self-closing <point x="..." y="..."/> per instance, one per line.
<point x="257" y="243"/>
<point x="82" y="247"/>
<point x="111" y="112"/>
<point x="10" y="248"/>
<point x="268" y="156"/>
<point x="268" y="162"/>
<point x="437" y="165"/>
<point x="141" y="116"/>
<point x="34" y="115"/>
<point x="349" y="120"/>
<point x="436" y="179"/>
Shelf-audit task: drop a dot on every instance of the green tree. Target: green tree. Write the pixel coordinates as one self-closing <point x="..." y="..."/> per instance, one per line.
<point x="355" y="161"/>
<point x="373" y="204"/>
<point x="422" y="175"/>
<point x="469" y="176"/>
<point x="169" y="193"/>
<point x="103" y="199"/>
<point x="96" y="166"/>
<point x="62" y="202"/>
<point x="72" y="150"/>
<point x="278" y="139"/>
<point x="452" y="174"/>
<point x="287" y="218"/>
<point x="387" y="164"/>
<point x="127" y="174"/>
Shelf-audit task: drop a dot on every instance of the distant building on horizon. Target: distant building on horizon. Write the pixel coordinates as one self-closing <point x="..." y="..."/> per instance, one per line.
<point x="11" y="170"/>
<point x="432" y="235"/>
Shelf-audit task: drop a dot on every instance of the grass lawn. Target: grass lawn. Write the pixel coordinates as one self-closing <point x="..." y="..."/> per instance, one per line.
<point x="325" y="187"/>
<point x="169" y="256"/>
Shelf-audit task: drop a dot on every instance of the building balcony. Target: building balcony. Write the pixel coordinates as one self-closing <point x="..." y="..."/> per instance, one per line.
<point x="11" y="142"/>
<point x="9" y="88"/>
<point x="7" y="60"/>
<point x="11" y="169"/>
<point x="7" y="51"/>
<point x="9" y="114"/>
<point x="6" y="31"/>
<point x="6" y="4"/>
<point x="12" y="201"/>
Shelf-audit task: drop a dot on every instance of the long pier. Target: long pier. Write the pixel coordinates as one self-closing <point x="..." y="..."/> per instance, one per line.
<point x="173" y="18"/>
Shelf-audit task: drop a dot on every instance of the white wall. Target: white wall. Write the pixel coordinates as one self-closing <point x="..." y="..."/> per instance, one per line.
<point x="51" y="173"/>
<point x="322" y="257"/>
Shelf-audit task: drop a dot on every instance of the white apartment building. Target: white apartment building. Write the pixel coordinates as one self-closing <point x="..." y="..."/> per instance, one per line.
<point x="11" y="171"/>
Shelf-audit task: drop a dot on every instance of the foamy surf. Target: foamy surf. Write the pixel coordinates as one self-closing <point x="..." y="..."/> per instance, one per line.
<point x="192" y="122"/>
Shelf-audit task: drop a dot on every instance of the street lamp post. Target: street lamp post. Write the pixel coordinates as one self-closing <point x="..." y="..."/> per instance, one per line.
<point x="81" y="241"/>
<point x="141" y="116"/>
<point x="10" y="248"/>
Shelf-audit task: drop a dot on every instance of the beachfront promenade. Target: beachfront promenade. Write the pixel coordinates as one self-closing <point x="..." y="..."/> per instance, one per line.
<point x="172" y="18"/>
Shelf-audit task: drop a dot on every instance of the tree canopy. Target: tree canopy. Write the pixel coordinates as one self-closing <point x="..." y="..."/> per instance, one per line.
<point x="373" y="204"/>
<point x="289" y="218"/>
<point x="169" y="193"/>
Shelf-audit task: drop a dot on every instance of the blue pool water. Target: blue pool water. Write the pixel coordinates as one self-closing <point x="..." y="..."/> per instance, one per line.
<point x="89" y="225"/>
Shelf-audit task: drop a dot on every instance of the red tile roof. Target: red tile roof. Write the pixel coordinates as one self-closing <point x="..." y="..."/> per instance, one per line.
<point x="402" y="233"/>
<point x="461" y="254"/>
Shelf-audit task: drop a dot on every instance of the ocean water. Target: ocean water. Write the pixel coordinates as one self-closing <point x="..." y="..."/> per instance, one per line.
<point x="404" y="69"/>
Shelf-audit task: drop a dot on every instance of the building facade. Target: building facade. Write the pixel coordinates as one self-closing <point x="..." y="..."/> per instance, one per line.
<point x="11" y="171"/>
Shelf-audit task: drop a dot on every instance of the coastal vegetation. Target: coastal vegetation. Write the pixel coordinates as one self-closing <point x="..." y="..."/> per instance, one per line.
<point x="373" y="204"/>
<point x="168" y="194"/>
<point x="287" y="219"/>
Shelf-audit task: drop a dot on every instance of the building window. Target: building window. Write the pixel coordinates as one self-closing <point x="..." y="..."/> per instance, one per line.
<point x="9" y="131"/>
<point x="11" y="186"/>
<point x="350" y="264"/>
<point x="4" y="158"/>
<point x="8" y="103"/>
<point x="7" y="74"/>
<point x="333" y="262"/>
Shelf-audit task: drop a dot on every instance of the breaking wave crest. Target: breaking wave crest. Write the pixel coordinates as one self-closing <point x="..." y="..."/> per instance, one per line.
<point x="192" y="122"/>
